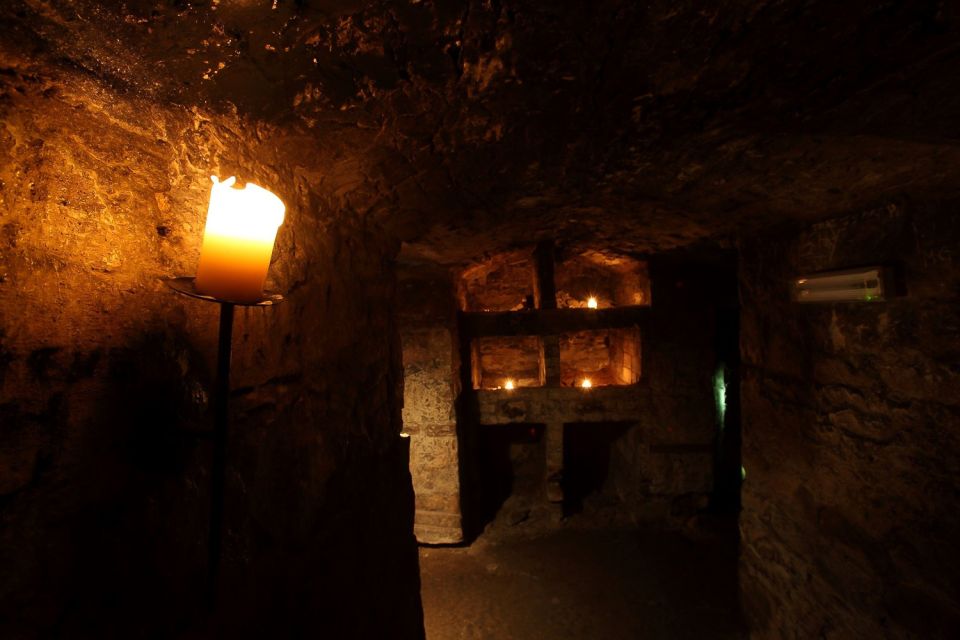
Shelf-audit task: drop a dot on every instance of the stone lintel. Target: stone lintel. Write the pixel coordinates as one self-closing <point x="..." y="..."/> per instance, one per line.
<point x="478" y="324"/>
<point x="559" y="404"/>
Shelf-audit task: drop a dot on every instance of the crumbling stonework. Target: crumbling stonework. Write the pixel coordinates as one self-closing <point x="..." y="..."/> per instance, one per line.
<point x="851" y="436"/>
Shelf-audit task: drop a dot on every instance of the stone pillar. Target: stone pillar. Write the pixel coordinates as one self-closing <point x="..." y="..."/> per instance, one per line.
<point x="544" y="288"/>
<point x="550" y="361"/>
<point x="553" y="433"/>
<point x="545" y="295"/>
<point x="428" y="416"/>
<point x="429" y="393"/>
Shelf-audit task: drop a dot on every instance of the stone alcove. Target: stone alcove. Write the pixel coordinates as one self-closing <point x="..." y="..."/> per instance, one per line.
<point x="504" y="346"/>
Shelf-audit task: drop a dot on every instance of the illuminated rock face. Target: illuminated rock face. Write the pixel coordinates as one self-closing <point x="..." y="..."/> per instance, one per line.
<point x="470" y="124"/>
<point x="104" y="372"/>
<point x="851" y="437"/>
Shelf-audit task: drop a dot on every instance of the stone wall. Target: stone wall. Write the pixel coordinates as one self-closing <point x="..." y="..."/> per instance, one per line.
<point x="659" y="433"/>
<point x="104" y="371"/>
<point x="663" y="467"/>
<point x="851" y="434"/>
<point x="625" y="350"/>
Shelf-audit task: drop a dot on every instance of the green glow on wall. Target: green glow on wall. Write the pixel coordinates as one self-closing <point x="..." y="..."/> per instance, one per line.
<point x="720" y="394"/>
<point x="743" y="473"/>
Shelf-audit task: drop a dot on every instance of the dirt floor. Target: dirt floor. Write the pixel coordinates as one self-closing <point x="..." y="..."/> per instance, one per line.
<point x="583" y="584"/>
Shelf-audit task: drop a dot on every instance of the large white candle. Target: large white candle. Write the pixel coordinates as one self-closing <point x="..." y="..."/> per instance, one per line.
<point x="238" y="241"/>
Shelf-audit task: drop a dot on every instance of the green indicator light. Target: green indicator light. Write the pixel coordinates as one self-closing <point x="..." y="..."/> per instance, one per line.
<point x="720" y="394"/>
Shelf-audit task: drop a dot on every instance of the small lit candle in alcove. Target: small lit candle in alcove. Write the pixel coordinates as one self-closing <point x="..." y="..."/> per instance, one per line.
<point x="585" y="383"/>
<point x="238" y="241"/>
<point x="508" y="385"/>
<point x="591" y="303"/>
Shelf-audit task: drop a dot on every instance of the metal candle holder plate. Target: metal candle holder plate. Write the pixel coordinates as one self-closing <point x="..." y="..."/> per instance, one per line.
<point x="187" y="286"/>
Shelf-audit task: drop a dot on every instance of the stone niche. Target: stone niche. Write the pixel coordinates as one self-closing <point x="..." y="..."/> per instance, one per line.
<point x="501" y="283"/>
<point x="641" y="440"/>
<point x="604" y="358"/>
<point x="506" y="282"/>
<point x="497" y="360"/>
<point x="612" y="280"/>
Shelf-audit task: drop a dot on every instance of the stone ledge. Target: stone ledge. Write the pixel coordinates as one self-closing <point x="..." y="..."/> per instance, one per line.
<point x="561" y="404"/>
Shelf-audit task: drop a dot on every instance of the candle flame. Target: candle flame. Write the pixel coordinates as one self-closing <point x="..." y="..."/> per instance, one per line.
<point x="586" y="384"/>
<point x="508" y="385"/>
<point x="248" y="213"/>
<point x="591" y="303"/>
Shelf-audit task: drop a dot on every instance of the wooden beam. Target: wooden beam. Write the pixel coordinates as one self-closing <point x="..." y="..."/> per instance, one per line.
<point x="544" y="287"/>
<point x="547" y="322"/>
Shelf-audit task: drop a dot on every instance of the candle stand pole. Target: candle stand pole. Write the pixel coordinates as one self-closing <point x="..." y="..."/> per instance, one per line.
<point x="221" y="412"/>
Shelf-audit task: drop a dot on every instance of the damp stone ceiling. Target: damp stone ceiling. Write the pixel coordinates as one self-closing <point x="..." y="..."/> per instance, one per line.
<point x="468" y="127"/>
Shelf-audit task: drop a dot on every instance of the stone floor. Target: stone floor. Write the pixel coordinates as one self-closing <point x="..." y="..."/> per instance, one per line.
<point x="583" y="584"/>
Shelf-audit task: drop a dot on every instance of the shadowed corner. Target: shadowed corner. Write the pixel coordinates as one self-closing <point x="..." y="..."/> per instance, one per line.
<point x="142" y="547"/>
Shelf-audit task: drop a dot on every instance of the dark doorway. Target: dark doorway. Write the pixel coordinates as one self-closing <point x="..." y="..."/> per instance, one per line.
<point x="586" y="460"/>
<point x="511" y="465"/>
<point x="726" y="384"/>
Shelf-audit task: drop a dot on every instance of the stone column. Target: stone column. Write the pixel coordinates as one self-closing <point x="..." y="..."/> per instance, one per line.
<point x="429" y="392"/>
<point x="553" y="434"/>
<point x="553" y="431"/>
<point x="545" y="294"/>
<point x="544" y="288"/>
<point x="428" y="416"/>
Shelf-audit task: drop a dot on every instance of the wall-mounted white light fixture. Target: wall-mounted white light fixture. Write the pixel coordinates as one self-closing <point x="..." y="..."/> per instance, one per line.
<point x="865" y="284"/>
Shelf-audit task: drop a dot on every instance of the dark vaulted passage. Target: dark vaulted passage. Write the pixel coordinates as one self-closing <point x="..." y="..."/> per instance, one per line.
<point x="593" y="320"/>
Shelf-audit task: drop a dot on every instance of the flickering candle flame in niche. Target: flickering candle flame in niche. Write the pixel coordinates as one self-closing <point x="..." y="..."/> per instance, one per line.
<point x="591" y="303"/>
<point x="586" y="384"/>
<point x="238" y="240"/>
<point x="508" y="385"/>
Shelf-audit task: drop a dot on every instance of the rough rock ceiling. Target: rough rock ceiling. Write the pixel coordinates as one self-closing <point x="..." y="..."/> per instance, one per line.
<point x="473" y="126"/>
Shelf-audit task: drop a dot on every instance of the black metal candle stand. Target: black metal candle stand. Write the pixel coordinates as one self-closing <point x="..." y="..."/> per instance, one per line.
<point x="221" y="406"/>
